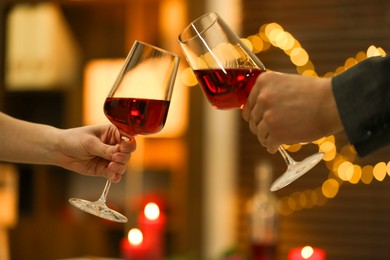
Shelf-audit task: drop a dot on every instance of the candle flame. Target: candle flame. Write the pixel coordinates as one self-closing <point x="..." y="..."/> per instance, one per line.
<point x="151" y="211"/>
<point x="307" y="252"/>
<point x="135" y="236"/>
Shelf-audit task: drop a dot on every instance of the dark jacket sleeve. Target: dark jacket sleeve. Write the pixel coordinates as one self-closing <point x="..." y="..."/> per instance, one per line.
<point x="362" y="95"/>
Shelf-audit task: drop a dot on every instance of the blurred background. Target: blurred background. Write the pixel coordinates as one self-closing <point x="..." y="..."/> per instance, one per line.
<point x="58" y="61"/>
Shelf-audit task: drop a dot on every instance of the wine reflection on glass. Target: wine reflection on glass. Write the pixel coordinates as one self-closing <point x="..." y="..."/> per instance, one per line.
<point x="137" y="104"/>
<point x="226" y="71"/>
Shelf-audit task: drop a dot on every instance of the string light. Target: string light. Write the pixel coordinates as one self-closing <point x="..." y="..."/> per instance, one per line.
<point x="341" y="166"/>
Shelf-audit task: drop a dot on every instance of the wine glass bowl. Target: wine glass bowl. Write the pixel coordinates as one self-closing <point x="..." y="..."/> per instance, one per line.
<point x="226" y="71"/>
<point x="137" y="104"/>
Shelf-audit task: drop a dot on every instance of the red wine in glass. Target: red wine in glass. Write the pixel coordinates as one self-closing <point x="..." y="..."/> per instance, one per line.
<point x="135" y="116"/>
<point x="227" y="88"/>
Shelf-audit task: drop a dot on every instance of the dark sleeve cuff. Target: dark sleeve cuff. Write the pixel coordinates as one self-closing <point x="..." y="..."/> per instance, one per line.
<point x="362" y="95"/>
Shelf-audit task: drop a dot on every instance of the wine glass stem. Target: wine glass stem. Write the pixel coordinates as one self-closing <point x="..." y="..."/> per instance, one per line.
<point x="103" y="197"/>
<point x="287" y="158"/>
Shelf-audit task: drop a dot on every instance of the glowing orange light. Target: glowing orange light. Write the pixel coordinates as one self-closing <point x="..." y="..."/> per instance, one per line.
<point x="307" y="252"/>
<point x="151" y="211"/>
<point x="135" y="236"/>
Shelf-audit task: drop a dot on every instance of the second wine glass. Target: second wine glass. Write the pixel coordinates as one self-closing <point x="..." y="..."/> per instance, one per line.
<point x="227" y="70"/>
<point x="137" y="104"/>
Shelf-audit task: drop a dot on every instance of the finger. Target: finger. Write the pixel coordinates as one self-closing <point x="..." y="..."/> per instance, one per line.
<point x="96" y="148"/>
<point x="253" y="126"/>
<point x="107" y="151"/>
<point x="250" y="103"/>
<point x="255" y="118"/>
<point x="272" y="145"/>
<point x="262" y="133"/>
<point x="121" y="158"/>
<point x="127" y="145"/>
<point x="117" y="178"/>
<point x="125" y="149"/>
<point x="115" y="171"/>
<point x="118" y="167"/>
<point x="118" y="155"/>
<point x="272" y="150"/>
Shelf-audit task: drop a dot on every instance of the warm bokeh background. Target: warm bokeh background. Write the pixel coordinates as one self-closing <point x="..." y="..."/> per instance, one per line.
<point x="204" y="171"/>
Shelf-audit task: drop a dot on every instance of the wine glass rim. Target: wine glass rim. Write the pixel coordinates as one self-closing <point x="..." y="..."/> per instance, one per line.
<point x="157" y="48"/>
<point x="215" y="17"/>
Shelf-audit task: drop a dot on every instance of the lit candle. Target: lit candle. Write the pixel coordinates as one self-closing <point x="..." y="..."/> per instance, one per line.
<point x="306" y="253"/>
<point x="152" y="222"/>
<point x="133" y="246"/>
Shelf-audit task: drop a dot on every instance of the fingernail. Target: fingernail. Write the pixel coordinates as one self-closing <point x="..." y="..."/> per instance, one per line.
<point x="125" y="138"/>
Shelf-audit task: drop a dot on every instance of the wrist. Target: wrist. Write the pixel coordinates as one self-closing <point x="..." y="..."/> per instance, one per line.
<point x="53" y="146"/>
<point x="331" y="123"/>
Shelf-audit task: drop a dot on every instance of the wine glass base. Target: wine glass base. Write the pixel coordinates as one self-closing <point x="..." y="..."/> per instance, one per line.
<point x="296" y="170"/>
<point x="99" y="209"/>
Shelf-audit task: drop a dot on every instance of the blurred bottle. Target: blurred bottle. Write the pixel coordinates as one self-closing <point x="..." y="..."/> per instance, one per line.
<point x="263" y="216"/>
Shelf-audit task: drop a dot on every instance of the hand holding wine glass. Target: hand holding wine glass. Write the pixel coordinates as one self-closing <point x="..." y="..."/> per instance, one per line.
<point x="137" y="104"/>
<point x="227" y="70"/>
<point x="276" y="118"/>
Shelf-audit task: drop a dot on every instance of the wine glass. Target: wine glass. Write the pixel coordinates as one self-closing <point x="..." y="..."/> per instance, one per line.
<point x="137" y="104"/>
<point x="227" y="70"/>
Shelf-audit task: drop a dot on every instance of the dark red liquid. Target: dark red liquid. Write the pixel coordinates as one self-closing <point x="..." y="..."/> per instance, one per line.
<point x="263" y="251"/>
<point x="133" y="116"/>
<point x="229" y="88"/>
